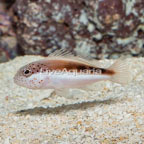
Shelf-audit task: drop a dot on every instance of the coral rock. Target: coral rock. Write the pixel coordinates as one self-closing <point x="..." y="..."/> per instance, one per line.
<point x="100" y="29"/>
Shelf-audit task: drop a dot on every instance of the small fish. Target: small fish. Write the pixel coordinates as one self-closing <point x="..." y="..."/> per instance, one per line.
<point x="63" y="71"/>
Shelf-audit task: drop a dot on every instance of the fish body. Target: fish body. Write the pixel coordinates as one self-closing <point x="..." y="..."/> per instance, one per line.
<point x="64" y="73"/>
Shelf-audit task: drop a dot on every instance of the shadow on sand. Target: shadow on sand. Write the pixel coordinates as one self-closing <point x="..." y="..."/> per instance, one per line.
<point x="66" y="108"/>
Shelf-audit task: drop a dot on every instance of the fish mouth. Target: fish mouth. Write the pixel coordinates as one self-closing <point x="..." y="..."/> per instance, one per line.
<point x="18" y="79"/>
<point x="15" y="79"/>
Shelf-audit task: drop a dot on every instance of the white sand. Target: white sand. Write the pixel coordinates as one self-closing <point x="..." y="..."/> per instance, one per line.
<point x="111" y="114"/>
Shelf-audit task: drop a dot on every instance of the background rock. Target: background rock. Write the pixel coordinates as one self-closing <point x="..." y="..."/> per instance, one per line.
<point x="101" y="29"/>
<point x="8" y="40"/>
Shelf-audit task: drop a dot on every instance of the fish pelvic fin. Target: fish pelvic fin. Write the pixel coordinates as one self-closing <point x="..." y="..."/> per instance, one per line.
<point x="122" y="73"/>
<point x="63" y="93"/>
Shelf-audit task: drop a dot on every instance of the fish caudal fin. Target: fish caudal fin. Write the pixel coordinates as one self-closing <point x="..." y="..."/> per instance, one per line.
<point x="122" y="73"/>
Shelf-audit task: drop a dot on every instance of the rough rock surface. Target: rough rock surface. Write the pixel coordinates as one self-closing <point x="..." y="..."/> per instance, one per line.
<point x="110" y="114"/>
<point x="8" y="41"/>
<point x="103" y="29"/>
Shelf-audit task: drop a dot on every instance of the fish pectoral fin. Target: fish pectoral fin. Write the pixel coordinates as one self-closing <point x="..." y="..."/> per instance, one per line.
<point x="63" y="92"/>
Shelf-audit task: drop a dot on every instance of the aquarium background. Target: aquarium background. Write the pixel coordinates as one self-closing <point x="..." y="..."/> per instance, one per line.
<point x="94" y="28"/>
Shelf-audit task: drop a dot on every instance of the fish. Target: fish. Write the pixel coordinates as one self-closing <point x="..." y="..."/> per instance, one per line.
<point x="63" y="71"/>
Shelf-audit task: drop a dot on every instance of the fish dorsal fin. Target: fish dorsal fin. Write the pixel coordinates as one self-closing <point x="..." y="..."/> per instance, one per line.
<point x="67" y="54"/>
<point x="61" y="52"/>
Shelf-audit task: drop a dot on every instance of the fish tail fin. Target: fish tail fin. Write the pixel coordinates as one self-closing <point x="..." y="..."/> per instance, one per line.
<point x="122" y="73"/>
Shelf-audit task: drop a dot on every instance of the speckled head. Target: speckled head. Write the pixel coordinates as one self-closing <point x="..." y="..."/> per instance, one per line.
<point x="30" y="76"/>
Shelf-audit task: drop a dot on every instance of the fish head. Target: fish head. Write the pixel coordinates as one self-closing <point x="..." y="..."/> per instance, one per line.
<point x="30" y="76"/>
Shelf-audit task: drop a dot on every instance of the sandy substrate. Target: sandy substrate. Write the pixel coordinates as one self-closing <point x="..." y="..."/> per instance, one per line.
<point x="110" y="114"/>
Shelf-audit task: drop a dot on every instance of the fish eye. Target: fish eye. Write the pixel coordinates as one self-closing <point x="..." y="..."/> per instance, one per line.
<point x="27" y="72"/>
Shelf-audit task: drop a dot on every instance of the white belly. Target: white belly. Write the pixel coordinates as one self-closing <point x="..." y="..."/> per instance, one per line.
<point x="65" y="80"/>
<point x="69" y="80"/>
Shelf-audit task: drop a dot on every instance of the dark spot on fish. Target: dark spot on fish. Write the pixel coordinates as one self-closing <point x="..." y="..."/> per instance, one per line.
<point x="108" y="72"/>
